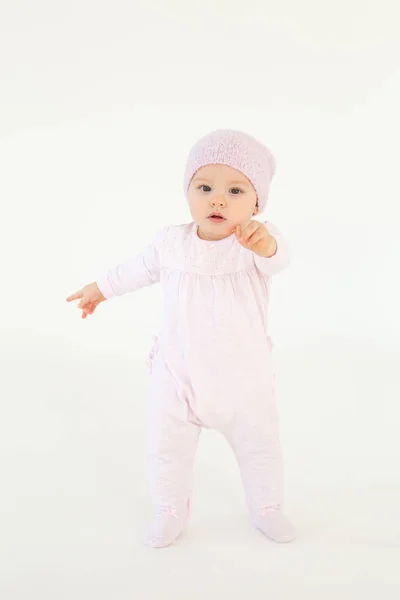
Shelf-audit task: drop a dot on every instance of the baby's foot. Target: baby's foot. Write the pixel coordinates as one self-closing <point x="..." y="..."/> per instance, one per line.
<point x="167" y="527"/>
<point x="273" y="523"/>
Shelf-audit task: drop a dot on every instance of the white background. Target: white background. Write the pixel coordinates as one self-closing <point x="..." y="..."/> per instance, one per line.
<point x="100" y="103"/>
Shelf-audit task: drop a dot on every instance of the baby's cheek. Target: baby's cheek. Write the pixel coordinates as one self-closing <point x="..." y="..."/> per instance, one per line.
<point x="240" y="214"/>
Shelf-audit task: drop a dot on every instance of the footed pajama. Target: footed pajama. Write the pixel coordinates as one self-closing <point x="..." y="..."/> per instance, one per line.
<point x="211" y="367"/>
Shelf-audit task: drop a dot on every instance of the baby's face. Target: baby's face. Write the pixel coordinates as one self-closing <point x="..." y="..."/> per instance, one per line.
<point x="220" y="189"/>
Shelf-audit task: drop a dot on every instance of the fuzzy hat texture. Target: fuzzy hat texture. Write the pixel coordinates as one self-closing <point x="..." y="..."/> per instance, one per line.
<point x="238" y="150"/>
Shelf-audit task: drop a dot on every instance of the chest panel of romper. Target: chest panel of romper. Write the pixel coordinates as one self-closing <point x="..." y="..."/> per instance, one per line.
<point x="182" y="251"/>
<point x="217" y="282"/>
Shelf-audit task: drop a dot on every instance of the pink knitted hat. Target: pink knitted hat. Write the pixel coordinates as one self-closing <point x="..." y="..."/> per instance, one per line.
<point x="239" y="151"/>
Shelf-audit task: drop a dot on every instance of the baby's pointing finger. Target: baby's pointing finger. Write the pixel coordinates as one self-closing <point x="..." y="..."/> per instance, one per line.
<point x="75" y="296"/>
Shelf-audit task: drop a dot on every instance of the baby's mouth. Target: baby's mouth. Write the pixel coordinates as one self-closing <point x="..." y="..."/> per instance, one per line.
<point x="216" y="218"/>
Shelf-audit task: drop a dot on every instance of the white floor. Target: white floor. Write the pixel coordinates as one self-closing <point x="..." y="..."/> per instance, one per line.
<point x="74" y="496"/>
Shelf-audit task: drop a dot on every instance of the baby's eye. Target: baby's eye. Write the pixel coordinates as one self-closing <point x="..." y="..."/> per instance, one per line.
<point x="236" y="191"/>
<point x="205" y="186"/>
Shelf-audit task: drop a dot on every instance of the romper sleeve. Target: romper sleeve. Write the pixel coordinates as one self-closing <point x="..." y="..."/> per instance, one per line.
<point x="139" y="271"/>
<point x="280" y="260"/>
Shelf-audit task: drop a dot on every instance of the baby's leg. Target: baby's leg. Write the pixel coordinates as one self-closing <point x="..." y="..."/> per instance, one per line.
<point x="172" y="445"/>
<point x="258" y="452"/>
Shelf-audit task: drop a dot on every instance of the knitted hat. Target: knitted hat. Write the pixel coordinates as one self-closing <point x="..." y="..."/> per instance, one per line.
<point x="239" y="151"/>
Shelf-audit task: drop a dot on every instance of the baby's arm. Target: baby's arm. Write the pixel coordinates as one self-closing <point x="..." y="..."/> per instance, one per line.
<point x="280" y="260"/>
<point x="139" y="271"/>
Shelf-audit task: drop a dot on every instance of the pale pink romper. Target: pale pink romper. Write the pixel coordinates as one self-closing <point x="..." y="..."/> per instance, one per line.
<point x="211" y="363"/>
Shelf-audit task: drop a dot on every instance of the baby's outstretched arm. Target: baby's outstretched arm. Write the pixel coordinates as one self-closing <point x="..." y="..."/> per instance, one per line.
<point x="139" y="271"/>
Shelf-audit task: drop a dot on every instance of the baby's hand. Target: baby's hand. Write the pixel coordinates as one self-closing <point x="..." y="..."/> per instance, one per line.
<point x="90" y="296"/>
<point x="254" y="236"/>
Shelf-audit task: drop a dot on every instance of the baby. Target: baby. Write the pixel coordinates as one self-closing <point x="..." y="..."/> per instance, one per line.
<point x="211" y="363"/>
